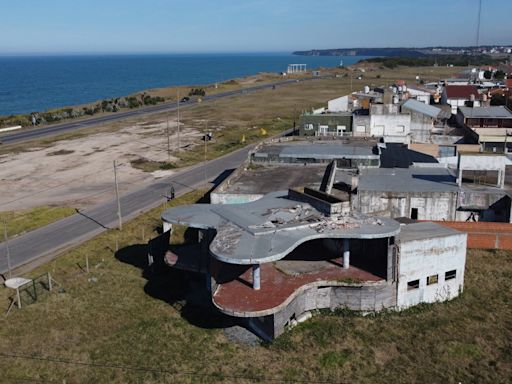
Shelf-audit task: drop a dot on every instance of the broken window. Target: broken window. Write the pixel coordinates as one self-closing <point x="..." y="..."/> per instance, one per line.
<point x="450" y="274"/>
<point x="414" y="284"/>
<point x="432" y="279"/>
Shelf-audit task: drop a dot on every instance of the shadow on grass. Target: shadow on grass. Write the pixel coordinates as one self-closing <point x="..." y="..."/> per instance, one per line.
<point x="185" y="291"/>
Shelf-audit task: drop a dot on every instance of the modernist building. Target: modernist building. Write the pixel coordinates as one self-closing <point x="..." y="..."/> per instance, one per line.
<point x="271" y="262"/>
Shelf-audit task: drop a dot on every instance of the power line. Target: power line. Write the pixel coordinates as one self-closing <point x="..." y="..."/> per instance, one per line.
<point x="158" y="370"/>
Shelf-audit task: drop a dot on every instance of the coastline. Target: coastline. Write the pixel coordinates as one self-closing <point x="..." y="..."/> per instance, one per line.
<point x="42" y="84"/>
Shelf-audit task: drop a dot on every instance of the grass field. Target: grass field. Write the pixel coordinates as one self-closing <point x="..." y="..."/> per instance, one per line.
<point x="19" y="222"/>
<point x="122" y="324"/>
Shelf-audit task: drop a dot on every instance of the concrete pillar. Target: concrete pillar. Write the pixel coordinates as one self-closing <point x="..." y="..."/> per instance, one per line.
<point x="501" y="179"/>
<point x="391" y="259"/>
<point x="167" y="226"/>
<point x="256" y="280"/>
<point x="346" y="253"/>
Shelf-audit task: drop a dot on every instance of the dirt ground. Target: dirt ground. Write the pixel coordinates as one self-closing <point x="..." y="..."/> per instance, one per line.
<point x="79" y="172"/>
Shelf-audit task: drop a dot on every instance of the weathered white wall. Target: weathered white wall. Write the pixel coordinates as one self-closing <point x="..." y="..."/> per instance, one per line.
<point x="422" y="258"/>
<point x="394" y="127"/>
<point x="431" y="205"/>
<point x="338" y="105"/>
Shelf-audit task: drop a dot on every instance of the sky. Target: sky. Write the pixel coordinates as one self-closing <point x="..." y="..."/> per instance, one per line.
<point x="202" y="26"/>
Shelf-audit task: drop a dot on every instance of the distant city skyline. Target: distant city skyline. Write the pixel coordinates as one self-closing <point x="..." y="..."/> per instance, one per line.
<point x="232" y="26"/>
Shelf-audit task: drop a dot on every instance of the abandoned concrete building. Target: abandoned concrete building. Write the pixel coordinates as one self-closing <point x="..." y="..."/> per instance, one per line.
<point x="378" y="179"/>
<point x="269" y="263"/>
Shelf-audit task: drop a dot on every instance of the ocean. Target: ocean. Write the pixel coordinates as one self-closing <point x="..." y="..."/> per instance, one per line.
<point x="37" y="83"/>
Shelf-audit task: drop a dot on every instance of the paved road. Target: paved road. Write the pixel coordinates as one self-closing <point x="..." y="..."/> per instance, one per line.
<point x="74" y="229"/>
<point x="56" y="129"/>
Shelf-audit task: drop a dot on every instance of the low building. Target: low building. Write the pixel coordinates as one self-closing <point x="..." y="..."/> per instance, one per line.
<point x="326" y="123"/>
<point x="426" y="120"/>
<point x="491" y="127"/>
<point x="460" y="96"/>
<point x="270" y="263"/>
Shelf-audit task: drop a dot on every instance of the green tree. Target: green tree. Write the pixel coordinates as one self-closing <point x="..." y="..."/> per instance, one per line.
<point x="487" y="75"/>
<point x="499" y="75"/>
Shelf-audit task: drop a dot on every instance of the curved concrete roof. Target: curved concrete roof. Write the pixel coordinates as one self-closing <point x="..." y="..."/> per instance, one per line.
<point x="268" y="229"/>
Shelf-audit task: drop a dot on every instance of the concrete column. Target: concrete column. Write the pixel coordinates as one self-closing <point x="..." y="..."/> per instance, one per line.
<point x="391" y="259"/>
<point x="501" y="179"/>
<point x="346" y="253"/>
<point x="167" y="226"/>
<point x="256" y="280"/>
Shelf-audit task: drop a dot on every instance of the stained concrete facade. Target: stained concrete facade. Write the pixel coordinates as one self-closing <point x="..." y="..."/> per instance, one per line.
<point x="431" y="264"/>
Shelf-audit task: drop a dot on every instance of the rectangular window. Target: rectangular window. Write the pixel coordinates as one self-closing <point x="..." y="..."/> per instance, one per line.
<point x="450" y="274"/>
<point x="400" y="128"/>
<point x="432" y="279"/>
<point x="414" y="284"/>
<point x="361" y="129"/>
<point x="414" y="213"/>
<point x="322" y="130"/>
<point x="308" y="127"/>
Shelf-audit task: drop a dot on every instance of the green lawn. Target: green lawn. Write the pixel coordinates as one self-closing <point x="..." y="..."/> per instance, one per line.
<point x="22" y="221"/>
<point x="119" y="315"/>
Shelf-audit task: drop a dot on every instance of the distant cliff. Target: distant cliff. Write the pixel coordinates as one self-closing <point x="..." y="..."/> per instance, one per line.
<point x="395" y="52"/>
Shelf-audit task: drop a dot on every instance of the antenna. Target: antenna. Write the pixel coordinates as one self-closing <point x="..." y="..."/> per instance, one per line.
<point x="478" y="23"/>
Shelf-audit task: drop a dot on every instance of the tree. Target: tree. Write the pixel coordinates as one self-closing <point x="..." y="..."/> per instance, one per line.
<point x="487" y="75"/>
<point x="499" y="75"/>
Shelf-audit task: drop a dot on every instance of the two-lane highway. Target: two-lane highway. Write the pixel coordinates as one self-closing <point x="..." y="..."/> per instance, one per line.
<point x="56" y="129"/>
<point x="79" y="227"/>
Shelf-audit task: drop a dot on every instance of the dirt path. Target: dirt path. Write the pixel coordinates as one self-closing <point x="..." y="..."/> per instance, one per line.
<point x="79" y="172"/>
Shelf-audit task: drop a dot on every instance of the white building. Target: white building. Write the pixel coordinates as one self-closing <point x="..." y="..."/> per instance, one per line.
<point x="431" y="264"/>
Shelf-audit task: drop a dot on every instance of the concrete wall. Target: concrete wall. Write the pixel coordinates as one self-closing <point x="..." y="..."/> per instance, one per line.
<point x="394" y="128"/>
<point x="421" y="127"/>
<point x="234" y="198"/>
<point x="370" y="297"/>
<point x="419" y="259"/>
<point x="361" y="125"/>
<point x="338" y="105"/>
<point x="430" y="205"/>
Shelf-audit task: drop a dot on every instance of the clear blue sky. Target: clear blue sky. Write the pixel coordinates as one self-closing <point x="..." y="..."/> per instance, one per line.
<point x="68" y="26"/>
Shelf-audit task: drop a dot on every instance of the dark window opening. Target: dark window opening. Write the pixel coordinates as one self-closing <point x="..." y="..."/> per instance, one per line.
<point x="432" y="279"/>
<point x="414" y="213"/>
<point x="450" y="274"/>
<point x="414" y="284"/>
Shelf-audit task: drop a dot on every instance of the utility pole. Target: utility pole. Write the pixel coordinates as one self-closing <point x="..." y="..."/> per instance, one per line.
<point x="7" y="249"/>
<point x="168" y="139"/>
<point x="178" y="101"/>
<point x="117" y="197"/>
<point x="206" y="137"/>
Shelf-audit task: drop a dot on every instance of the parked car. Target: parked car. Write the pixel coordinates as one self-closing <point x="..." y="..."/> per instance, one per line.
<point x="185" y="99"/>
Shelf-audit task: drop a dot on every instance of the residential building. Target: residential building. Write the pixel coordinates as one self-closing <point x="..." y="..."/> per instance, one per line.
<point x="460" y="96"/>
<point x="491" y="127"/>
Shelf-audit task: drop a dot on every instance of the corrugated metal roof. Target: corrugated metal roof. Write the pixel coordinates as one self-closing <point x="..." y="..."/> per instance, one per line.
<point x="495" y="112"/>
<point x="418" y="106"/>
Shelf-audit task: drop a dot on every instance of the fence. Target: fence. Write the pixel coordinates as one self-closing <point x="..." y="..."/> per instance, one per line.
<point x="484" y="235"/>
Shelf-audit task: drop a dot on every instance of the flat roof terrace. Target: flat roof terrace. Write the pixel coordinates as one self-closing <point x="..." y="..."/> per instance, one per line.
<point x="238" y="298"/>
<point x="354" y="149"/>
<point x="268" y="229"/>
<point x="261" y="179"/>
